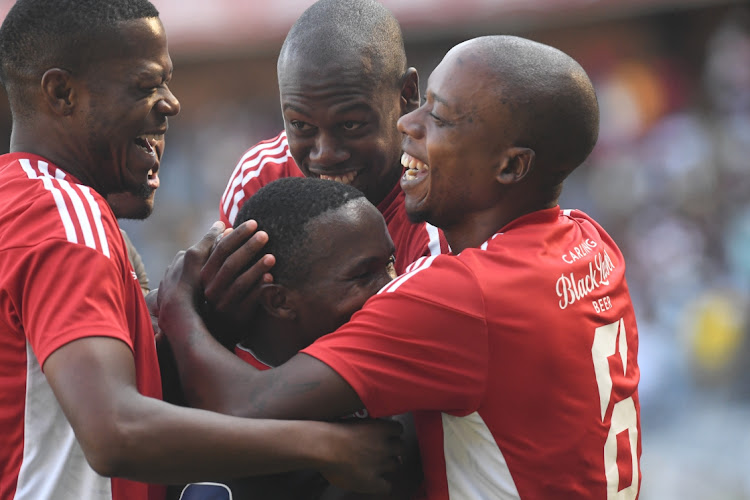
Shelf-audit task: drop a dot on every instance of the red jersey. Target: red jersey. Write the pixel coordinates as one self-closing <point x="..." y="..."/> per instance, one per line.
<point x="64" y="275"/>
<point x="249" y="357"/>
<point x="270" y="160"/>
<point x="518" y="358"/>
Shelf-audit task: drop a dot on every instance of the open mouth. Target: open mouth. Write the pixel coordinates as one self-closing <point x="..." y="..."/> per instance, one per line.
<point x="346" y="178"/>
<point x="145" y="142"/>
<point x="413" y="166"/>
<point x="153" y="179"/>
<point x="148" y="144"/>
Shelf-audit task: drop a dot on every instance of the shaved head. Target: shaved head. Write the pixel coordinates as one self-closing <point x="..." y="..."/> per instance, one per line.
<point x="547" y="93"/>
<point x="359" y="33"/>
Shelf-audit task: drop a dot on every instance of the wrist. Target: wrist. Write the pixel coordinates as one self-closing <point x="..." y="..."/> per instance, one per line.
<point x="177" y="314"/>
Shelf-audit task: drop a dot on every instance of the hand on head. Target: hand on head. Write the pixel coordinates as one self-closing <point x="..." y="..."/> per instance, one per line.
<point x="215" y="277"/>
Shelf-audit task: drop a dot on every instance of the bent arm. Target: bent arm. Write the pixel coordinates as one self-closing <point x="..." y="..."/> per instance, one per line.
<point x="123" y="433"/>
<point x="215" y="379"/>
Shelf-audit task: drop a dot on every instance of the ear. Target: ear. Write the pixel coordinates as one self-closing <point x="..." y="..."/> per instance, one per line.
<point x="410" y="91"/>
<point x="58" y="91"/>
<point x="515" y="165"/>
<point x="278" y="301"/>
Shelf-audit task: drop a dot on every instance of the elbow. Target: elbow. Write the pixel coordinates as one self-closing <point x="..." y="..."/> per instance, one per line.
<point x="110" y="450"/>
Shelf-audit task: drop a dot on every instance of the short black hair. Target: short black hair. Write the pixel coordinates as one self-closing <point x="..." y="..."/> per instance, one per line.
<point x="284" y="208"/>
<point x="37" y="35"/>
<point x="334" y="30"/>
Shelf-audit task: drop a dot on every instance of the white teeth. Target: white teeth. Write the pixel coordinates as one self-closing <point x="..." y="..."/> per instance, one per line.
<point x="343" y="179"/>
<point x="150" y="172"/>
<point x="147" y="145"/>
<point x="410" y="175"/>
<point x="413" y="164"/>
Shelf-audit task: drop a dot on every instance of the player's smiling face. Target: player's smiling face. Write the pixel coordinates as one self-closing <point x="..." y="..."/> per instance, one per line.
<point x="124" y="104"/>
<point x="453" y="144"/>
<point x="138" y="205"/>
<point x="351" y="259"/>
<point x="341" y="125"/>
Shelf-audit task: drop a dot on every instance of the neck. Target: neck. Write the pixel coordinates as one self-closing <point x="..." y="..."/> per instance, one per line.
<point x="56" y="148"/>
<point x="473" y="230"/>
<point x="270" y="341"/>
<point x="384" y="188"/>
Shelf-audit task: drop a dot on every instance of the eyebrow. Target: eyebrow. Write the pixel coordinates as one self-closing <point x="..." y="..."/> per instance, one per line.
<point x="357" y="106"/>
<point x="346" y="109"/>
<point x="368" y="261"/>
<point x="440" y="99"/>
<point x="293" y="108"/>
<point x="151" y="70"/>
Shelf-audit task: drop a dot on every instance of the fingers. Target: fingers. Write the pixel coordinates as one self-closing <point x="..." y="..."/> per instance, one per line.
<point x="243" y="293"/>
<point x="208" y="241"/>
<point x="200" y="252"/>
<point x="225" y="244"/>
<point x="227" y="275"/>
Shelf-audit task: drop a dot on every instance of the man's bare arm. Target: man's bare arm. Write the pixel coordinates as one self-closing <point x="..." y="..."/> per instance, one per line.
<point x="125" y="434"/>
<point x="214" y="378"/>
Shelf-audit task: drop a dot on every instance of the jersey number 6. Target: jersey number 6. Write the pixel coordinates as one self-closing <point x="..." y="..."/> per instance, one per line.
<point x="620" y="449"/>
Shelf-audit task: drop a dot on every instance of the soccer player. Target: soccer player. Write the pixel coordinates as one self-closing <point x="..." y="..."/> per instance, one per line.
<point x="88" y="85"/>
<point x="343" y="82"/>
<point x="518" y="352"/>
<point x="333" y="252"/>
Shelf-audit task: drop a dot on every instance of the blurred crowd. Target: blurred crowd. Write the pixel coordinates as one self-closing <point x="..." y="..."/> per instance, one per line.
<point x="670" y="181"/>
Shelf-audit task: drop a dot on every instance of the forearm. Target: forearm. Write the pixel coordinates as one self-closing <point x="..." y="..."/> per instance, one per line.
<point x="156" y="442"/>
<point x="212" y="378"/>
<point x="123" y="433"/>
<point x="215" y="379"/>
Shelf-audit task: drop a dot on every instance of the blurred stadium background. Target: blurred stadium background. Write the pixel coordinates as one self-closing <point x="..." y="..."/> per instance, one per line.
<point x="669" y="179"/>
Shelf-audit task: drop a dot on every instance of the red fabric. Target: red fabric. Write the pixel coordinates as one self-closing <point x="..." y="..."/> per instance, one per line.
<point x="503" y="336"/>
<point x="64" y="275"/>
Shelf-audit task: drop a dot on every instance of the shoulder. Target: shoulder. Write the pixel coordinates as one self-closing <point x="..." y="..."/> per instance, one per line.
<point x="443" y="280"/>
<point x="271" y="151"/>
<point x="43" y="202"/>
<point x="263" y="163"/>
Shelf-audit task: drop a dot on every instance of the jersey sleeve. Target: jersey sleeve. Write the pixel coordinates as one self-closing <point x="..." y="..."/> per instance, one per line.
<point x="71" y="291"/>
<point x="420" y="344"/>
<point x="263" y="163"/>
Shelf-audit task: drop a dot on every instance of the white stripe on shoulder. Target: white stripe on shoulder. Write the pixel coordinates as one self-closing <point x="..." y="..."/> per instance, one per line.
<point x="567" y="212"/>
<point x="57" y="185"/>
<point x="62" y="209"/>
<point x="80" y="210"/>
<point x="434" y="239"/>
<point x="97" y="213"/>
<point x="486" y="243"/>
<point x="238" y="168"/>
<point x="249" y="161"/>
<point x="419" y="265"/>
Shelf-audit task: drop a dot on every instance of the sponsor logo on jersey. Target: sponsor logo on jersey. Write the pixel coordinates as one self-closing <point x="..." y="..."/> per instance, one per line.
<point x="571" y="287"/>
<point x="579" y="251"/>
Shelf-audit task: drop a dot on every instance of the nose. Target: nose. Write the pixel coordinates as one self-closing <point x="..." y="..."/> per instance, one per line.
<point x="410" y="125"/>
<point x="168" y="105"/>
<point x="327" y="151"/>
